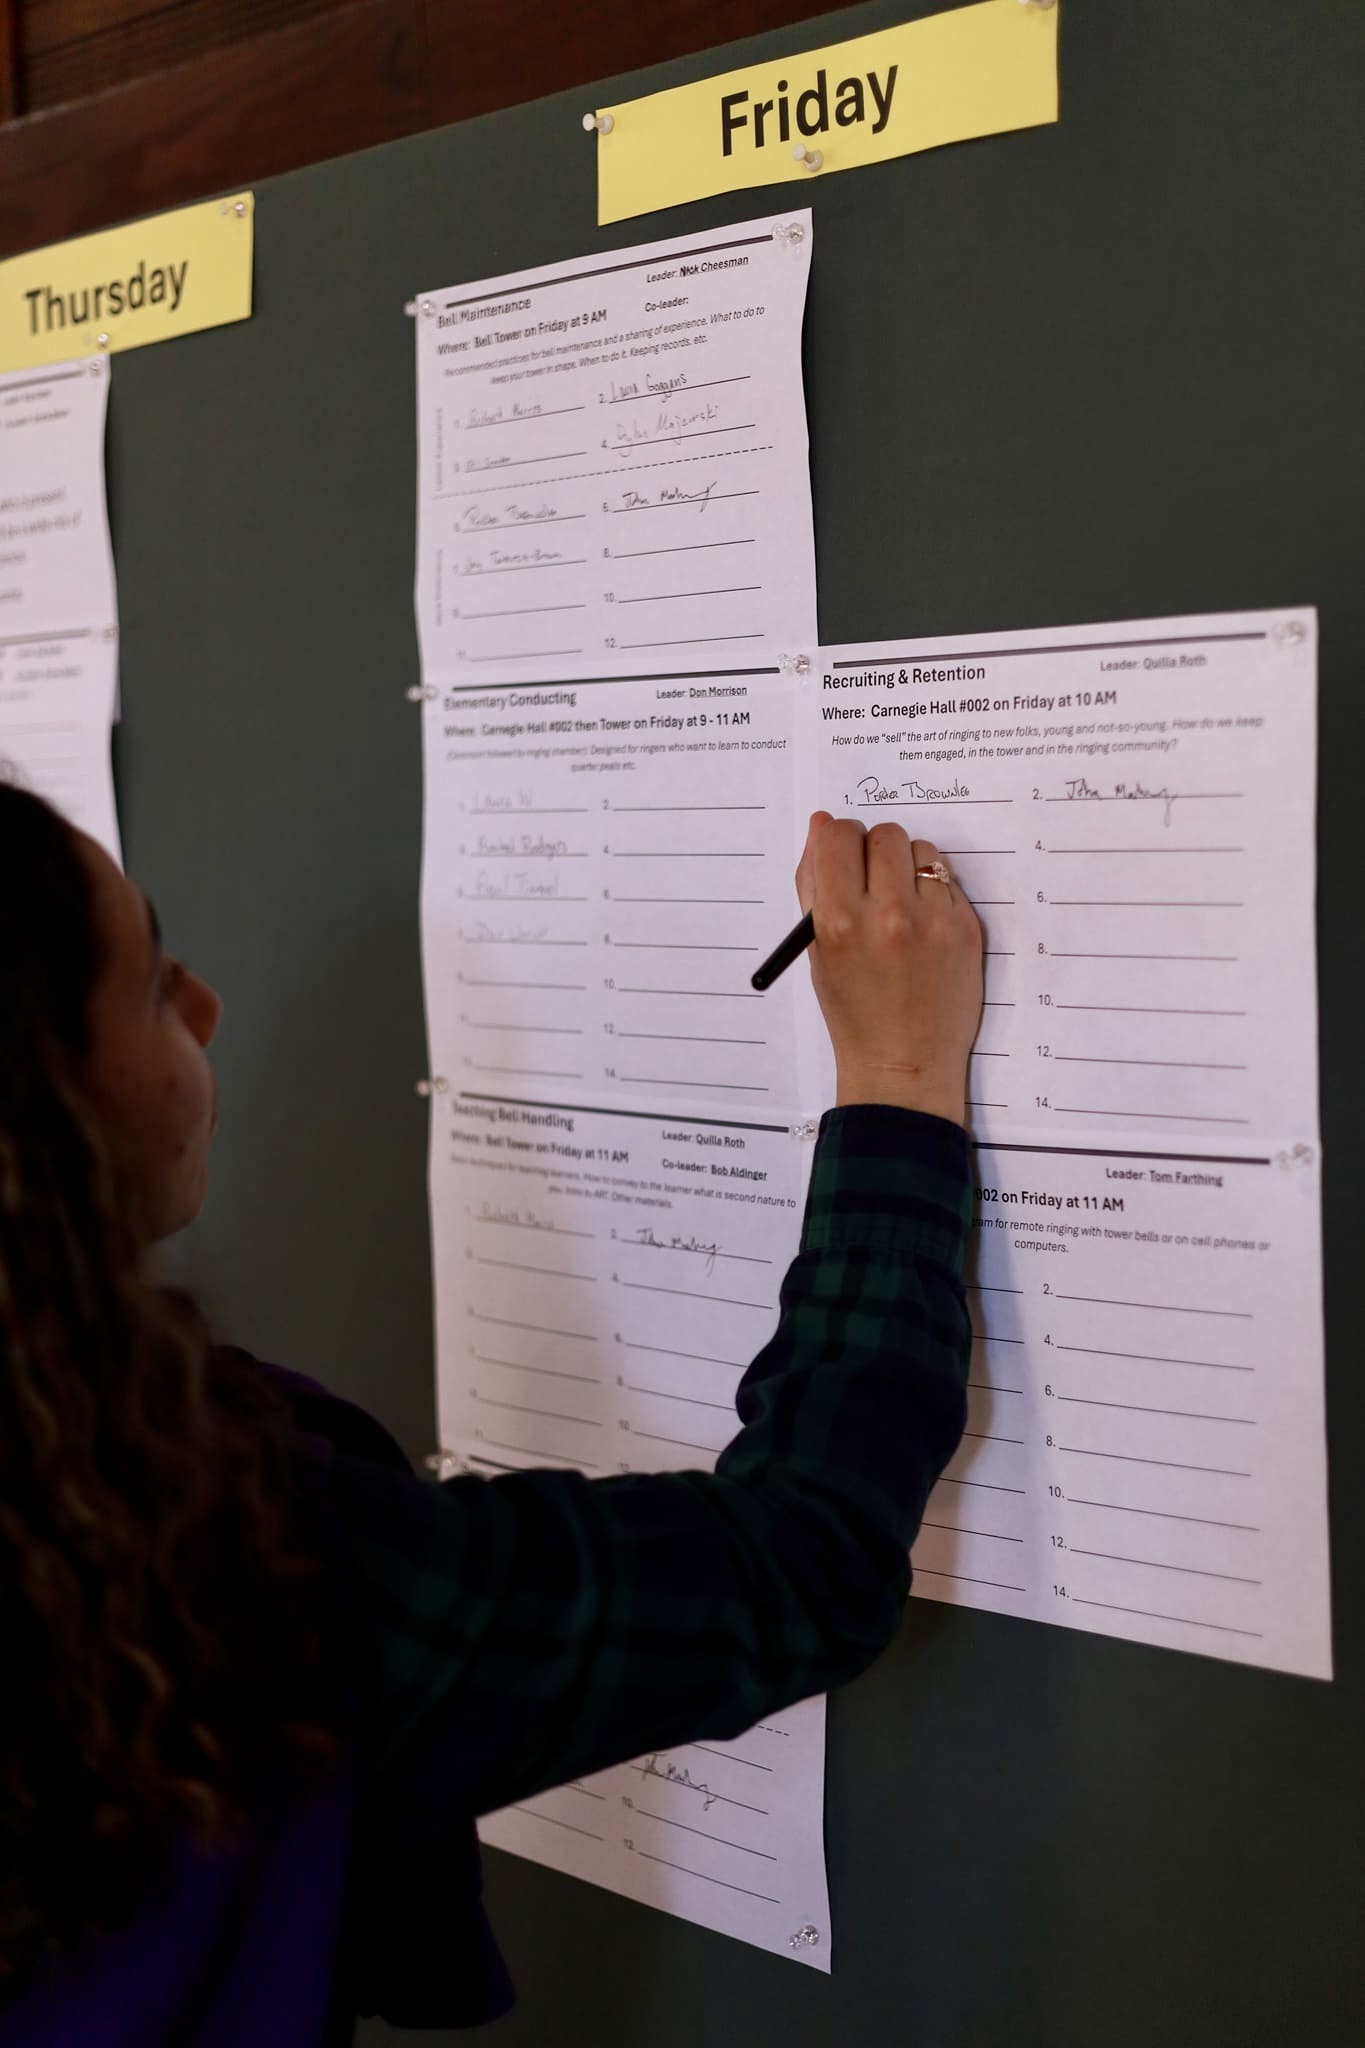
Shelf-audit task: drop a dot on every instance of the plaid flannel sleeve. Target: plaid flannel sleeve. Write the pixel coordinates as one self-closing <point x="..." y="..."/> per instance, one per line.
<point x="539" y="1626"/>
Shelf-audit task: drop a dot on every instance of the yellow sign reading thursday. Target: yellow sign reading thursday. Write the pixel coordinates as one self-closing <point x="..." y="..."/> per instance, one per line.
<point x="973" y="71"/>
<point x="172" y="274"/>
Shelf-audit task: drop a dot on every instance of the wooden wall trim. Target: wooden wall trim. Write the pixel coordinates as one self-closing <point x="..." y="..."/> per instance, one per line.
<point x="9" y="59"/>
<point x="360" y="74"/>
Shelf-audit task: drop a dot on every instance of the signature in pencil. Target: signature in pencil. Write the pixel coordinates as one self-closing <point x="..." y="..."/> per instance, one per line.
<point x="1080" y="789"/>
<point x="677" y="1774"/>
<point x="646" y="1236"/>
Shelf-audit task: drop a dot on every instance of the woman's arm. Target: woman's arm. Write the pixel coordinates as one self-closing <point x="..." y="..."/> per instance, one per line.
<point x="540" y="1625"/>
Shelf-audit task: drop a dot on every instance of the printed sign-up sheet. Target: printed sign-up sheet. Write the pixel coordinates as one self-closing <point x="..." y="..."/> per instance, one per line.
<point x="612" y="457"/>
<point x="1131" y="808"/>
<point x="58" y="610"/>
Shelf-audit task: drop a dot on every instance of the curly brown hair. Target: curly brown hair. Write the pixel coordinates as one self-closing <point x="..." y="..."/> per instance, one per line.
<point x="160" y="1609"/>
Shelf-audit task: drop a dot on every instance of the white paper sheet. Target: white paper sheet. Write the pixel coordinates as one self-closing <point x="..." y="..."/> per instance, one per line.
<point x="58" y="632"/>
<point x="612" y="456"/>
<point x="1131" y="807"/>
<point x="606" y="861"/>
<point x="612" y="1274"/>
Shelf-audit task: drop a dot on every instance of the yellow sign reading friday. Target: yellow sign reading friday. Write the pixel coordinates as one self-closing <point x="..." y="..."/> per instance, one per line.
<point x="974" y="71"/>
<point x="173" y="274"/>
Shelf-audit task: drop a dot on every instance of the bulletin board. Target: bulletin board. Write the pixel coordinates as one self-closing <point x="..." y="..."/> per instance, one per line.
<point x="1104" y="369"/>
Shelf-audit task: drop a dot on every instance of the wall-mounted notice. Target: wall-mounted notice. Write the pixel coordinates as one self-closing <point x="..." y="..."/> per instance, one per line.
<point x="1131" y="807"/>
<point x="58" y="608"/>
<point x="947" y="78"/>
<point x="612" y="457"/>
<point x="174" y="273"/>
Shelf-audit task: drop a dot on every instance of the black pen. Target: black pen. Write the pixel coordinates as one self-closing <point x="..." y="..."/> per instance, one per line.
<point x="781" y="957"/>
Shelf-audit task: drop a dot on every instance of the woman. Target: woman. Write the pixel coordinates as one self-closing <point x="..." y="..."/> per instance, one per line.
<point x="257" y="1680"/>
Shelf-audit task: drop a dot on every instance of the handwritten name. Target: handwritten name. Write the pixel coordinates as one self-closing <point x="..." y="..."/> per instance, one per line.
<point x="871" y="791"/>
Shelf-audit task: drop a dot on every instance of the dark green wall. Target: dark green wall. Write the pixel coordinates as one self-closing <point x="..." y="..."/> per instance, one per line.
<point x="1099" y="370"/>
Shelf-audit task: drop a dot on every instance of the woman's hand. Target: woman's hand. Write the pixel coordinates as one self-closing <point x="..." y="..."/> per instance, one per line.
<point x="896" y="966"/>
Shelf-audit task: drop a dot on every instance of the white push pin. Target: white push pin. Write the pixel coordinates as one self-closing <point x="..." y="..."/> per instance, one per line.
<point x="599" y="124"/>
<point x="811" y="158"/>
<point x="1041" y="5"/>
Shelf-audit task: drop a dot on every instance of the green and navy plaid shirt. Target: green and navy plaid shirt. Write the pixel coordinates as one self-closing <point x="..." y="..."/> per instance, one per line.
<point x="540" y="1626"/>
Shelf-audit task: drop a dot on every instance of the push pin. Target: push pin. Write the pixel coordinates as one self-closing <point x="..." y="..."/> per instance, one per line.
<point x="811" y="158"/>
<point x="442" y="1464"/>
<point x="598" y="124"/>
<point x="437" y="1085"/>
<point x="420" y="693"/>
<point x="805" y="1937"/>
<point x="795" y="665"/>
<point x="101" y="341"/>
<point x="1041" y="5"/>
<point x="790" y="234"/>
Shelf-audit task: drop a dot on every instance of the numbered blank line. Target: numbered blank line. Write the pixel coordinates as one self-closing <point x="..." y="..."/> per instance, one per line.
<point x="548" y="1372"/>
<point x="1136" y="903"/>
<point x="688" y="1400"/>
<point x="1151" y="1116"/>
<point x="529" y="1073"/>
<point x="691" y="1038"/>
<point x="725" y="1842"/>
<point x="546" y="1414"/>
<point x="673" y="1081"/>
<point x="1154" y="1358"/>
<point x="1146" y="1010"/>
<point x="723" y="1882"/>
<point x="691" y="547"/>
<point x="957" y="1529"/>
<point x="730" y="1756"/>
<point x="679" y="1442"/>
<point x="537" y="1329"/>
<point x="536" y="1814"/>
<point x="550" y="1272"/>
<point x="1186" y="959"/>
<point x="1174" y="1308"/>
<point x="1166" y="1464"/>
<point x="1084" y="1059"/>
<point x="1152" y="1564"/>
<point x="692" y="1294"/>
<point x="677" y="596"/>
<point x="530" y="1451"/>
<point x="1136" y="1408"/>
<point x="1146" y="849"/>
<point x="1118" y="1507"/>
<point x="1185" y="1620"/>
<point x="698" y="1357"/>
<point x="923" y="1571"/>
<point x="695" y="640"/>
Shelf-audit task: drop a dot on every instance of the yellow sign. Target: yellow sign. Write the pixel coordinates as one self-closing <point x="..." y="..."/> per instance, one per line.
<point x="975" y="71"/>
<point x="172" y="274"/>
